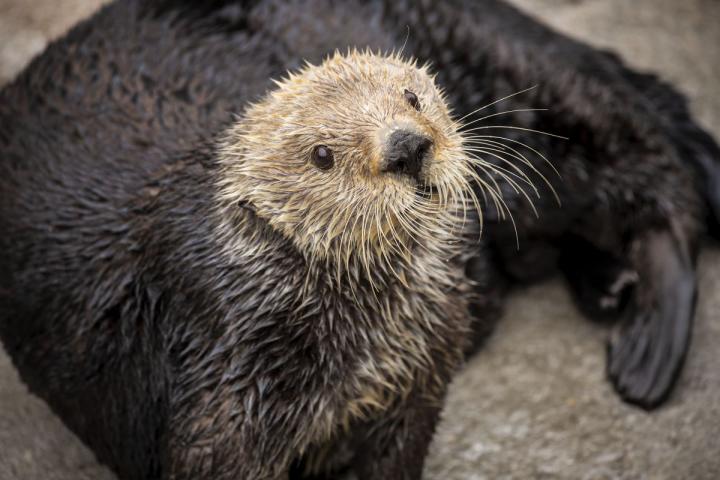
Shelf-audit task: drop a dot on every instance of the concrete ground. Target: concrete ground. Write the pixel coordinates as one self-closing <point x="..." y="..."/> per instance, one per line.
<point x="534" y="404"/>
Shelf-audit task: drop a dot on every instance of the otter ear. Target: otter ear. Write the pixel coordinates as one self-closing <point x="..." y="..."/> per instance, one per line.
<point x="648" y="348"/>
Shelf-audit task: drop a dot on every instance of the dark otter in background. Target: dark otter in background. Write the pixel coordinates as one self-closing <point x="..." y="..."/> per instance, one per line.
<point x="111" y="121"/>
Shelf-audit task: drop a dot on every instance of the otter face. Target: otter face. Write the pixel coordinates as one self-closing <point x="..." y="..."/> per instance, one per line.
<point x="356" y="156"/>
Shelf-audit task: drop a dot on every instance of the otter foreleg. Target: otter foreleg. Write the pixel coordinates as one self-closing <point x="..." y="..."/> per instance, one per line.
<point x="229" y="455"/>
<point x="396" y="447"/>
<point x="233" y="435"/>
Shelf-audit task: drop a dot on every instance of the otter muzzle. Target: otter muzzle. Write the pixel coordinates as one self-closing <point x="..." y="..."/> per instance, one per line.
<point x="406" y="153"/>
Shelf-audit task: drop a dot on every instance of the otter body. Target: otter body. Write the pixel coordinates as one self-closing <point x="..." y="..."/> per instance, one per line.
<point x="184" y="332"/>
<point x="211" y="366"/>
<point x="191" y="316"/>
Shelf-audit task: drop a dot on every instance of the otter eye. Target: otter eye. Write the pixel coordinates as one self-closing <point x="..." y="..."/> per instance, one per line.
<point x="322" y="157"/>
<point x="412" y="99"/>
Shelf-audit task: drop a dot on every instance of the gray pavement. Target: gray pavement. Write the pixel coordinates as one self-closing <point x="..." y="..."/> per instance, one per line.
<point x="534" y="404"/>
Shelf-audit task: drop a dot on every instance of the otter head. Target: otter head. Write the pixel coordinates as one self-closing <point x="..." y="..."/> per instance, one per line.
<point x="357" y="157"/>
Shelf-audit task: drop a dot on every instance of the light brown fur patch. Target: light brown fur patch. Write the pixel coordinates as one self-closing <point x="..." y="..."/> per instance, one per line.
<point x="364" y="233"/>
<point x="351" y="103"/>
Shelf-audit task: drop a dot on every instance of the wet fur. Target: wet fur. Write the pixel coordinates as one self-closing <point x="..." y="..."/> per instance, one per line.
<point x="203" y="327"/>
<point x="118" y="310"/>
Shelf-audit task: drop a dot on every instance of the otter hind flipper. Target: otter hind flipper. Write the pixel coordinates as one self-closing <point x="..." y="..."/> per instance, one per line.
<point x="652" y="294"/>
<point x="648" y="347"/>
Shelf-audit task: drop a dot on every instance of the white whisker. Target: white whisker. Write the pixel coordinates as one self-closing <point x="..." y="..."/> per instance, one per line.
<point x="510" y="127"/>
<point x="497" y="101"/>
<point x="506" y="112"/>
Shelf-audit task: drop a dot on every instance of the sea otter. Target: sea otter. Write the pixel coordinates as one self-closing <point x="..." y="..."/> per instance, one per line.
<point x="293" y="285"/>
<point x="123" y="235"/>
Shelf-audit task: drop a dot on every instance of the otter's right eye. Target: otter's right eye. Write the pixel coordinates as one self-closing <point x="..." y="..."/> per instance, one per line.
<point x="322" y="157"/>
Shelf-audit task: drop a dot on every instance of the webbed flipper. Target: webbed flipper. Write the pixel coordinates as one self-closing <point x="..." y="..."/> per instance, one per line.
<point x="648" y="347"/>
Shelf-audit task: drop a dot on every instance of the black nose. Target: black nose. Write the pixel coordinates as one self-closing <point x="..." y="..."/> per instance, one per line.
<point x="406" y="153"/>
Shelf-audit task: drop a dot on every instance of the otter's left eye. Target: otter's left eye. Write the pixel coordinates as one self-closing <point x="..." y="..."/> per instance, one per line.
<point x="323" y="157"/>
<point x="412" y="99"/>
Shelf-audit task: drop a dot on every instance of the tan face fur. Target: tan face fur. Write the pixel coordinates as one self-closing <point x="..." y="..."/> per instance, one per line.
<point x="352" y="104"/>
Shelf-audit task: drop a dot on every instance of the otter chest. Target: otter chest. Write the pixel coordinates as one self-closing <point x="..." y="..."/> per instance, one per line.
<point x="414" y="344"/>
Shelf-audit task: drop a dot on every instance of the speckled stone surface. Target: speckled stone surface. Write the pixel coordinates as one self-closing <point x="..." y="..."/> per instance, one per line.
<point x="534" y="404"/>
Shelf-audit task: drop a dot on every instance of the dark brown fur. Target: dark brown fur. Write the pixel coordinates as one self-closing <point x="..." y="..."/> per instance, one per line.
<point x="117" y="310"/>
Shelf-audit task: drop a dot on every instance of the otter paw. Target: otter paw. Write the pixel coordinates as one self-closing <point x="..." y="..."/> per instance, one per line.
<point x="601" y="283"/>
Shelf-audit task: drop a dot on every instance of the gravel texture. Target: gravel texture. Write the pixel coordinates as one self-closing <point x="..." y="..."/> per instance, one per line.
<point x="534" y="404"/>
